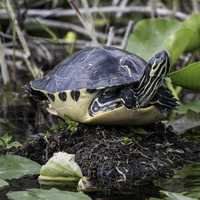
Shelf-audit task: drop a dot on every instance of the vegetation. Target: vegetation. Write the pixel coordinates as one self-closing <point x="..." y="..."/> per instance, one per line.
<point x="36" y="35"/>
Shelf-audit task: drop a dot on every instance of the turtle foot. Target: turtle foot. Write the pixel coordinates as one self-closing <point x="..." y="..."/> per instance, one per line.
<point x="165" y="100"/>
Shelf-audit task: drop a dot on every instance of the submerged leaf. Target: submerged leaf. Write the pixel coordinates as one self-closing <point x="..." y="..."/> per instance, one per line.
<point x="187" y="77"/>
<point x="61" y="167"/>
<point x="12" y="166"/>
<point x="52" y="194"/>
<point x="176" y="196"/>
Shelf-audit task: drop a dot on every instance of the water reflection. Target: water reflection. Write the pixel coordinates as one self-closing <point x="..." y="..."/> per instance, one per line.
<point x="186" y="181"/>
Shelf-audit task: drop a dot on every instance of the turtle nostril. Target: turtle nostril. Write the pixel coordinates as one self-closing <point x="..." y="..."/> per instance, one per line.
<point x="161" y="55"/>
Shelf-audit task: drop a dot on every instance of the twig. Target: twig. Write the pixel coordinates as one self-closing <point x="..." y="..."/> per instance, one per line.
<point x="153" y="8"/>
<point x="78" y="43"/>
<point x="122" y="5"/>
<point x="68" y="26"/>
<point x="3" y="65"/>
<point x="110" y="36"/>
<point x="33" y="69"/>
<point x="109" y="9"/>
<point x="195" y="6"/>
<point x="126" y="36"/>
<point x="15" y="52"/>
<point x="86" y="19"/>
<point x="19" y="64"/>
<point x="17" y="28"/>
<point x="115" y="2"/>
<point x="175" y="6"/>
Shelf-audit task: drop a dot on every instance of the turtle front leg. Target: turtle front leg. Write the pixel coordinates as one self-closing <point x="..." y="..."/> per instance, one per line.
<point x="164" y="99"/>
<point x="129" y="98"/>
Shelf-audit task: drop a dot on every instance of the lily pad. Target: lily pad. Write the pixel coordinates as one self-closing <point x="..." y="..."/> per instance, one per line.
<point x="12" y="166"/>
<point x="3" y="184"/>
<point x="153" y="35"/>
<point x="187" y="77"/>
<point x="41" y="194"/>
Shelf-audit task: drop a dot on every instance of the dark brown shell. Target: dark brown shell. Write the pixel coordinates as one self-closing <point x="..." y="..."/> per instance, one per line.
<point x="93" y="68"/>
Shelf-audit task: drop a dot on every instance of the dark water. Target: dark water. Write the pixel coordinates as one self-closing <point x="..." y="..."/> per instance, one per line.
<point x="186" y="181"/>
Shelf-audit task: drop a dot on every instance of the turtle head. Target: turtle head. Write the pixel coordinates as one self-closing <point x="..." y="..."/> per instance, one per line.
<point x="159" y="64"/>
<point x="157" y="68"/>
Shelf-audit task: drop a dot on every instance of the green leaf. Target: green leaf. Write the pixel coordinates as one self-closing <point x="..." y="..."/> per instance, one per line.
<point x="153" y="35"/>
<point x="52" y="194"/>
<point x="193" y="24"/>
<point x="60" y="168"/>
<point x="191" y="106"/>
<point x="3" y="184"/>
<point x="12" y="166"/>
<point x="176" y="196"/>
<point x="187" y="77"/>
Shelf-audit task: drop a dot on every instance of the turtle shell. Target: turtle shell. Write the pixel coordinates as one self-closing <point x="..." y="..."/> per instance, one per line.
<point x="93" y="68"/>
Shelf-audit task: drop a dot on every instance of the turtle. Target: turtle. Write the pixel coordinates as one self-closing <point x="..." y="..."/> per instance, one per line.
<point x="107" y="86"/>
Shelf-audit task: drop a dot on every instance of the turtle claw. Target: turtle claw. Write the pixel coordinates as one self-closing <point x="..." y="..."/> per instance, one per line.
<point x="165" y="100"/>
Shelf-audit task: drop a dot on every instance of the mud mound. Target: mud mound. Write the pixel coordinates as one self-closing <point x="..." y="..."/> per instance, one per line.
<point x="118" y="158"/>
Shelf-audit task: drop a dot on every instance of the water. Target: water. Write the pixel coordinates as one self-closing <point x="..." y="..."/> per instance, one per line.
<point x="186" y="181"/>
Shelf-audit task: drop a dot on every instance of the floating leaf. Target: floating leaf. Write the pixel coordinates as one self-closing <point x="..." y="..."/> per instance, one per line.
<point x="61" y="168"/>
<point x="3" y="184"/>
<point x="52" y="194"/>
<point x="187" y="77"/>
<point x="12" y="166"/>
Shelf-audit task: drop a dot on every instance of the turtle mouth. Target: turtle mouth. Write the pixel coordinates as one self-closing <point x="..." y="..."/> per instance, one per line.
<point x="104" y="102"/>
